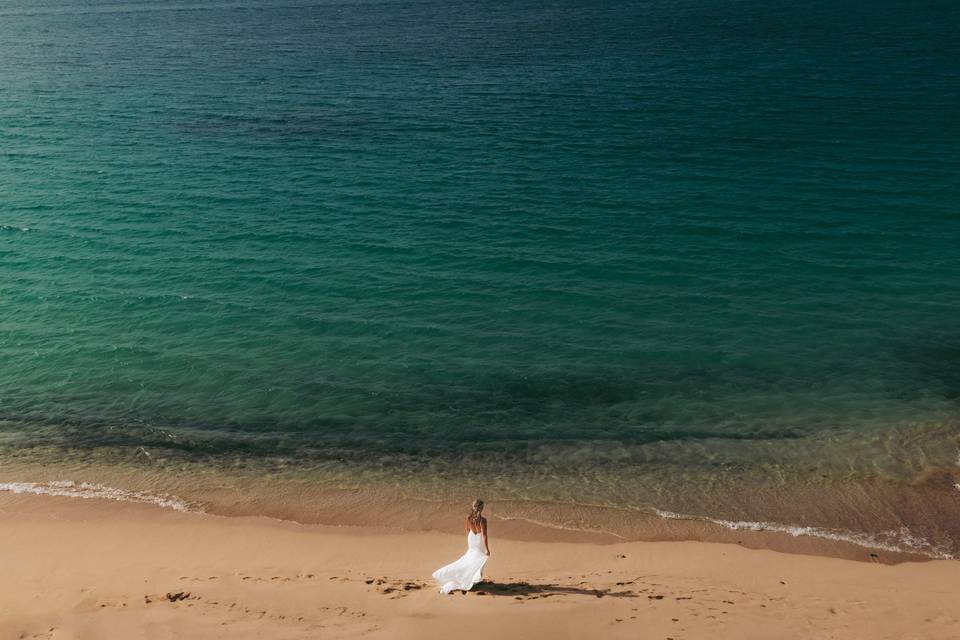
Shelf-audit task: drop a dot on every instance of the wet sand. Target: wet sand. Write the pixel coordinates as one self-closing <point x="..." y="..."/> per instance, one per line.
<point x="889" y="522"/>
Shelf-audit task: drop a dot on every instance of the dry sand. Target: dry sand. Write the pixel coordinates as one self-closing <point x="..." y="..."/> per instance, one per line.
<point x="101" y="570"/>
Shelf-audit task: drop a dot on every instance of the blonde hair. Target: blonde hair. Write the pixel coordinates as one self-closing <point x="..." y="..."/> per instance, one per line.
<point x="475" y="511"/>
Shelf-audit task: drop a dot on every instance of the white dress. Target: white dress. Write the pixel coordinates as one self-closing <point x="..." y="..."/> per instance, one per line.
<point x="467" y="570"/>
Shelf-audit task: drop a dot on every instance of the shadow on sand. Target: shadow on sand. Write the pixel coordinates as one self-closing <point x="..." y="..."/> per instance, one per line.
<point x="528" y="590"/>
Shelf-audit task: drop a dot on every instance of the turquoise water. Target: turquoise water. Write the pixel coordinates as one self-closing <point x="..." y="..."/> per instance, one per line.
<point x="660" y="240"/>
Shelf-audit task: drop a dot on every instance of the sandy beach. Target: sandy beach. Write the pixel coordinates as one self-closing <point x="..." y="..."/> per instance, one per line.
<point x="103" y="569"/>
<point x="673" y="287"/>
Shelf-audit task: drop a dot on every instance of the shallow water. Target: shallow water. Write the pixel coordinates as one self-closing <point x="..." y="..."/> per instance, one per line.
<point x="691" y="256"/>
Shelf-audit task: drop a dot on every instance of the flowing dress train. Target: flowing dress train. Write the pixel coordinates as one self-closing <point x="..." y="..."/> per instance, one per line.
<point x="467" y="570"/>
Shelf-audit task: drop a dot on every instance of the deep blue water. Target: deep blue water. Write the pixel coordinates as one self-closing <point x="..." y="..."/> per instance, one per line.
<point x="711" y="235"/>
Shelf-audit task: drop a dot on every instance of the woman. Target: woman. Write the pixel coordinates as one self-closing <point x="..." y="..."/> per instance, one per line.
<point x="468" y="570"/>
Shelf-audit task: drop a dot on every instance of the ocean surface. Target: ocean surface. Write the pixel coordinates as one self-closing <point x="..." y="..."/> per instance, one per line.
<point x="691" y="258"/>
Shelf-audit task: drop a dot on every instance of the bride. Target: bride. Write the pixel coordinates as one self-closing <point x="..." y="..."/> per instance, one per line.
<point x="468" y="570"/>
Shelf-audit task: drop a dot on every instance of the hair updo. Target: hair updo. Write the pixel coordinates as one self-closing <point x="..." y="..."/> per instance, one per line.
<point x="475" y="511"/>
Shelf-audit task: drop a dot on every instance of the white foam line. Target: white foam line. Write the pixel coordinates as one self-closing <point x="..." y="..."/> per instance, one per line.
<point x="909" y="542"/>
<point x="86" y="490"/>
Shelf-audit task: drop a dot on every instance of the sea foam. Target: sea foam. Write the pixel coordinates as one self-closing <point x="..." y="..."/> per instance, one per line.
<point x="86" y="490"/>
<point x="902" y="541"/>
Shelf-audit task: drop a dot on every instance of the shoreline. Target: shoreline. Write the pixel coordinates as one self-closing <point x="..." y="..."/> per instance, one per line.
<point x="902" y="514"/>
<point x="405" y="515"/>
<point x="137" y="570"/>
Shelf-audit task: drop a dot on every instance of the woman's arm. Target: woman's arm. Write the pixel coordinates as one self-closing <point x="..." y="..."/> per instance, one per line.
<point x="466" y="525"/>
<point x="483" y="528"/>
